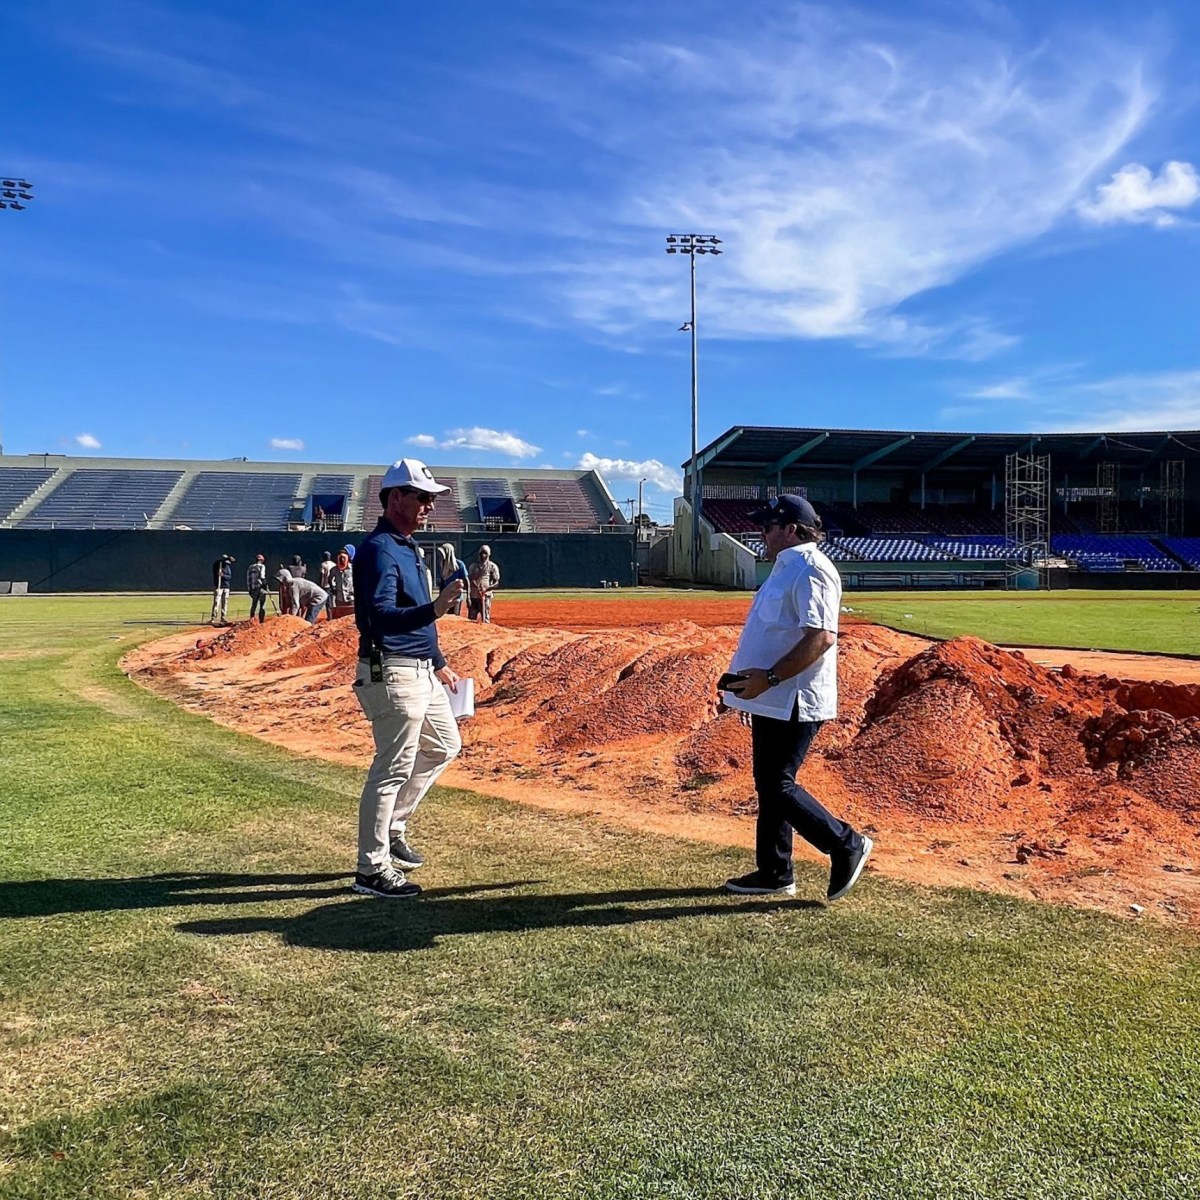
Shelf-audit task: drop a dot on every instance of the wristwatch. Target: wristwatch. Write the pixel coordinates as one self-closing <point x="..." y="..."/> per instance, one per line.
<point x="772" y="678"/>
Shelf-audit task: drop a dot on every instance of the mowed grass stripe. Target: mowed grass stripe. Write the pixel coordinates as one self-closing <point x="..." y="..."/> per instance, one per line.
<point x="191" y="1004"/>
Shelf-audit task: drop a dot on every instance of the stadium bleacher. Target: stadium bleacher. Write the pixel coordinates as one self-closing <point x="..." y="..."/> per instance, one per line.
<point x="882" y="549"/>
<point x="1111" y="552"/>
<point x="17" y="484"/>
<point x="103" y="499"/>
<point x="973" y="546"/>
<point x="559" y="505"/>
<point x="1187" y="549"/>
<point x="236" y="500"/>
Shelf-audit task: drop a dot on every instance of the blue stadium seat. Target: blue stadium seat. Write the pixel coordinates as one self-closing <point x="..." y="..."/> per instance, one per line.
<point x="236" y="500"/>
<point x="17" y="484"/>
<point x="99" y="498"/>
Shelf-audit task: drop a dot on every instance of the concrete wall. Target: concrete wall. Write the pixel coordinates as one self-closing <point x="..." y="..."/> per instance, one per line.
<point x="140" y="560"/>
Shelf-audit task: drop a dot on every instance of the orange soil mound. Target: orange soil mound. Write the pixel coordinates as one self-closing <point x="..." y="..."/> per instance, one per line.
<point x="973" y="765"/>
<point x="251" y="637"/>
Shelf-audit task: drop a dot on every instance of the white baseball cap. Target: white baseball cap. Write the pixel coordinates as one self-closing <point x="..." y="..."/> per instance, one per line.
<point x="411" y="473"/>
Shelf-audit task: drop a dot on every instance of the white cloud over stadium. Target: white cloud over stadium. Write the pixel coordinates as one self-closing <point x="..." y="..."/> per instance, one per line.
<point x="659" y="474"/>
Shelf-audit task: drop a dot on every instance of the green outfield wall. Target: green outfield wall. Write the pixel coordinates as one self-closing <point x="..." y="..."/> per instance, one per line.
<point x="169" y="560"/>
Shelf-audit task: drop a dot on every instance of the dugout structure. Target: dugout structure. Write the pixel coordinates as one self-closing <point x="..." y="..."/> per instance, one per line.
<point x="907" y="508"/>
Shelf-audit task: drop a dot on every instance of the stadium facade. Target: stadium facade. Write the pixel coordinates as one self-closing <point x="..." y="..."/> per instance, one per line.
<point x="907" y="508"/>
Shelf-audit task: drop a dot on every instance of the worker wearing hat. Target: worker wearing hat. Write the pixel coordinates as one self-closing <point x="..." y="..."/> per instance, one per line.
<point x="400" y="678"/>
<point x="256" y="585"/>
<point x="787" y="663"/>
<point x="222" y="572"/>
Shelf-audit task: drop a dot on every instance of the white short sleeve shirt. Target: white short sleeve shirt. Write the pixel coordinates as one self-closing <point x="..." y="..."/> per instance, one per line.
<point x="803" y="591"/>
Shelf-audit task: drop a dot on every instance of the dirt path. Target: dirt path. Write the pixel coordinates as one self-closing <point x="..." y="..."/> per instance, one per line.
<point x="972" y="766"/>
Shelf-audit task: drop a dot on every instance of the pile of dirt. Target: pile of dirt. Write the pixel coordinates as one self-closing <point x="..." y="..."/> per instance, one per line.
<point x="975" y="765"/>
<point x="316" y="645"/>
<point x="252" y="637"/>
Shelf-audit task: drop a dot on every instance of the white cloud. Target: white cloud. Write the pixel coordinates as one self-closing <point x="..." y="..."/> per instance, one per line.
<point x="286" y="444"/>
<point x="850" y="165"/>
<point x="88" y="441"/>
<point x="489" y="439"/>
<point x="1135" y="194"/>
<point x="1166" y="400"/>
<point x="423" y="439"/>
<point x="582" y="433"/>
<point x="664" y="478"/>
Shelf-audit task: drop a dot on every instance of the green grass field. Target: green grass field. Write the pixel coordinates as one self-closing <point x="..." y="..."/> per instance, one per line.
<point x="1161" y="622"/>
<point x="192" y="1004"/>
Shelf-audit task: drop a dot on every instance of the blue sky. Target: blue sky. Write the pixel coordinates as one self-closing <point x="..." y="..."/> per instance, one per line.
<point x="350" y="232"/>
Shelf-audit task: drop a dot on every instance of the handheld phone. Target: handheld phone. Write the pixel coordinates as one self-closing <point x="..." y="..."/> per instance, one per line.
<point x="732" y="681"/>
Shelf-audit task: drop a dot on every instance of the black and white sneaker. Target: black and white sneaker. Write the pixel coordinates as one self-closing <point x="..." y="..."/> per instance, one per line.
<point x="403" y="855"/>
<point x="387" y="884"/>
<point x="844" y="872"/>
<point x="757" y="884"/>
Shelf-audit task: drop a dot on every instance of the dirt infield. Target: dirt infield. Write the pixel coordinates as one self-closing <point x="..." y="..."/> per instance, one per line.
<point x="971" y="765"/>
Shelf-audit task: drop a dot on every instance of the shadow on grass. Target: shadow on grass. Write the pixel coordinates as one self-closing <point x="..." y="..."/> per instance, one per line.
<point x="399" y="925"/>
<point x="47" y="897"/>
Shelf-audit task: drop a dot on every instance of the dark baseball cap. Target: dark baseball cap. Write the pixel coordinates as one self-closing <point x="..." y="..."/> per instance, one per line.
<point x="788" y="510"/>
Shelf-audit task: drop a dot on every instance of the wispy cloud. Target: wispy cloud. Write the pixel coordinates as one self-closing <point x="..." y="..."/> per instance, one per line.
<point x="852" y="163"/>
<point x="475" y="438"/>
<point x="850" y="167"/>
<point x="278" y="443"/>
<point x="88" y="441"/>
<point x="1167" y="400"/>
<point x="665" y="478"/>
<point x="1136" y="195"/>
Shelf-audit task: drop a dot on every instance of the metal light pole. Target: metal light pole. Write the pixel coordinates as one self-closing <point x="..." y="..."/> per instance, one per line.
<point x="692" y="244"/>
<point x="638" y="531"/>
<point x="12" y="191"/>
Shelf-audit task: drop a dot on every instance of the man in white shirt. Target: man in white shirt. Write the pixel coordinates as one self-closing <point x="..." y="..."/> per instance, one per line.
<point x="787" y="657"/>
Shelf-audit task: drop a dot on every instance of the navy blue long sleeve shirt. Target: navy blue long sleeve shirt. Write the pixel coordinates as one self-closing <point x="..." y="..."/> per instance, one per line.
<point x="392" y="605"/>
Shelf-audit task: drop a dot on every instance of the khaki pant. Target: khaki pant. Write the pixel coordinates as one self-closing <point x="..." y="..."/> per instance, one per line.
<point x="220" y="604"/>
<point x="416" y="737"/>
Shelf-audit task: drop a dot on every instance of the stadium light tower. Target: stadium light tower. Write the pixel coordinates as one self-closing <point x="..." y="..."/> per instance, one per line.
<point x="13" y="189"/>
<point x="692" y="244"/>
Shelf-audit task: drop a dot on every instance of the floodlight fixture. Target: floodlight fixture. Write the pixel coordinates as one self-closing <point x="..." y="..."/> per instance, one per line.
<point x="15" y="190"/>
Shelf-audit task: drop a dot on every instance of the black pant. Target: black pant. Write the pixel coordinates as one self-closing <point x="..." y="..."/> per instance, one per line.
<point x="258" y="603"/>
<point x="783" y="805"/>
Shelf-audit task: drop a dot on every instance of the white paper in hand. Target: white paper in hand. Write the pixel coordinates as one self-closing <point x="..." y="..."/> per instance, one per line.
<point x="462" y="702"/>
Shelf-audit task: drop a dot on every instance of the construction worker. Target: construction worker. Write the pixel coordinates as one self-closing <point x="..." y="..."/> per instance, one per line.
<point x="256" y="585"/>
<point x="222" y="571"/>
<point x="341" y="580"/>
<point x="484" y="580"/>
<point x="327" y="567"/>
<point x="307" y="599"/>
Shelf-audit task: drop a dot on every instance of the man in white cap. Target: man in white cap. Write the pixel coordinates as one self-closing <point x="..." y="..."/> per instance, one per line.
<point x="399" y="680"/>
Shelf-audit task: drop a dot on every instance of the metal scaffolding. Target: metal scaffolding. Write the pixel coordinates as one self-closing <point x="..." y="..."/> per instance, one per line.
<point x="1108" y="496"/>
<point x="1026" y="514"/>
<point x="1171" y="497"/>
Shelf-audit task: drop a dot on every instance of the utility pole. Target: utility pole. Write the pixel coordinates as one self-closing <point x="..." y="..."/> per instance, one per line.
<point x="692" y="244"/>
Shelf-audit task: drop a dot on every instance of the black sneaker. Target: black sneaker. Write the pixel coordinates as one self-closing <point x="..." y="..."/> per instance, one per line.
<point x="387" y="884"/>
<point x="757" y="884"/>
<point x="844" y="872"/>
<point x="404" y="855"/>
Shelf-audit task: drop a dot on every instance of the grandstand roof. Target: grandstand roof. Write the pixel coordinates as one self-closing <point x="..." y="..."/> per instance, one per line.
<point x="773" y="449"/>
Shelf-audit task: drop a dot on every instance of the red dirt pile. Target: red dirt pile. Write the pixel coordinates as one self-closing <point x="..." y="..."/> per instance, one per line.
<point x="974" y="765"/>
